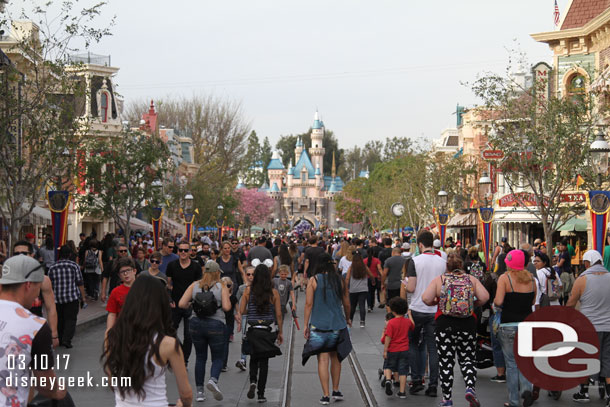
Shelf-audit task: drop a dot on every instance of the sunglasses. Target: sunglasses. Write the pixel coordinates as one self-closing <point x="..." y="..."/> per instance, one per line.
<point x="249" y="274"/>
<point x="17" y="253"/>
<point x="184" y="250"/>
<point x="155" y="262"/>
<point x="122" y="251"/>
<point x="229" y="285"/>
<point x="170" y="247"/>
<point x="124" y="272"/>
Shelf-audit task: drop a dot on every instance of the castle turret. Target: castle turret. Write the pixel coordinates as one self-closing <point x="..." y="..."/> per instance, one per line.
<point x="298" y="150"/>
<point x="317" y="148"/>
<point x="276" y="171"/>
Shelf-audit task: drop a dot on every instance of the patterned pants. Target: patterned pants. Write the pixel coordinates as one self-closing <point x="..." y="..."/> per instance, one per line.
<point x="448" y="341"/>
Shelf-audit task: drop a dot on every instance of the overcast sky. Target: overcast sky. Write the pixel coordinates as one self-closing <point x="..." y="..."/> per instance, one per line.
<point x="374" y="69"/>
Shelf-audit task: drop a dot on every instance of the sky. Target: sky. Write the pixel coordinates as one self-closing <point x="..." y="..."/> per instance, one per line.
<point x="373" y="69"/>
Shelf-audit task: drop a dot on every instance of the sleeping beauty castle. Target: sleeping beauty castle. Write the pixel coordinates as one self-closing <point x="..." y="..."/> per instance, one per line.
<point x="302" y="193"/>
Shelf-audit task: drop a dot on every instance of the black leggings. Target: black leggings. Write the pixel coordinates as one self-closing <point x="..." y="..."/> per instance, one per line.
<point x="372" y="290"/>
<point x="360" y="300"/>
<point x="448" y="341"/>
<point x="259" y="368"/>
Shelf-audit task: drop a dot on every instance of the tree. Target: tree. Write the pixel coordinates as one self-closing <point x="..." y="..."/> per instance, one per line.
<point x="266" y="156"/>
<point x="252" y="177"/>
<point x="40" y="123"/>
<point x="352" y="204"/>
<point x="286" y="145"/>
<point x="396" y="147"/>
<point x="257" y="205"/>
<point x="545" y="144"/>
<point x="120" y="174"/>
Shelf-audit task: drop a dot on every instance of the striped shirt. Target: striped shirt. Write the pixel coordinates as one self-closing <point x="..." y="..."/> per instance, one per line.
<point x="65" y="277"/>
<point x="254" y="315"/>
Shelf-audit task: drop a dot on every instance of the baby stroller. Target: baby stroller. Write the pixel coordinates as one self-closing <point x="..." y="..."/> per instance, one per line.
<point x="484" y="352"/>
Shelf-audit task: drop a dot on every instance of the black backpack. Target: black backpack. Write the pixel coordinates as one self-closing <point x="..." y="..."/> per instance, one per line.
<point x="205" y="304"/>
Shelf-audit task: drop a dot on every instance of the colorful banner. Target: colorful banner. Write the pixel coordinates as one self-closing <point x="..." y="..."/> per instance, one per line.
<point x="157" y="215"/>
<point x="486" y="216"/>
<point x="599" y="205"/>
<point x="188" y="223"/>
<point x="59" y="201"/>
<point x="442" y="220"/>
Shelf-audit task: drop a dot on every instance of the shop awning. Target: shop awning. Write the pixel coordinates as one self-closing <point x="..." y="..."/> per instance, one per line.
<point x="463" y="220"/>
<point x="574" y="225"/>
<point x="139" y="224"/>
<point x="516" y="217"/>
<point x="172" y="225"/>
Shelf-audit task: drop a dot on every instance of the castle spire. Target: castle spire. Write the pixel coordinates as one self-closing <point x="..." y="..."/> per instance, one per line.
<point x="334" y="168"/>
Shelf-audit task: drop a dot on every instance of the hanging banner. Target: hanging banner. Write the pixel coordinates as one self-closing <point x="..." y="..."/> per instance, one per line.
<point x="157" y="215"/>
<point x="59" y="201"/>
<point x="188" y="223"/>
<point x="442" y="220"/>
<point x="599" y="205"/>
<point x="486" y="216"/>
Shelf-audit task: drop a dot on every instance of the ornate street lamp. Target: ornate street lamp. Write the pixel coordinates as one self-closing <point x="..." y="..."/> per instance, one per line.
<point x="220" y="220"/>
<point x="599" y="156"/>
<point x="189" y="216"/>
<point x="599" y="201"/>
<point x="486" y="213"/>
<point x="442" y="218"/>
<point x="157" y="211"/>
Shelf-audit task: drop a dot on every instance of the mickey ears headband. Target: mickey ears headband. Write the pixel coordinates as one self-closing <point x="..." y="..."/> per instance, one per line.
<point x="268" y="263"/>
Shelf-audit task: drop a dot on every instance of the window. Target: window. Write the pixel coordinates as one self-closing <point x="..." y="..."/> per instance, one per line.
<point x="304" y="176"/>
<point x="104" y="107"/>
<point x="303" y="192"/>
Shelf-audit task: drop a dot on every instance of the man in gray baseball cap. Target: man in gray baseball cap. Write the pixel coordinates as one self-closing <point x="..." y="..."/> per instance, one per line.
<point x="21" y="280"/>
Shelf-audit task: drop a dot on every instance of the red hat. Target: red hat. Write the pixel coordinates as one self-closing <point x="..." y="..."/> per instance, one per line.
<point x="458" y="243"/>
<point x="29" y="236"/>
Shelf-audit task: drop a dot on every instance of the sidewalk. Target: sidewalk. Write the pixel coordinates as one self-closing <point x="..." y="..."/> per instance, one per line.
<point x="95" y="313"/>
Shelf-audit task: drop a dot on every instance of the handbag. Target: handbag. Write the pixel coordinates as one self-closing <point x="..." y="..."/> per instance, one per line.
<point x="496" y="319"/>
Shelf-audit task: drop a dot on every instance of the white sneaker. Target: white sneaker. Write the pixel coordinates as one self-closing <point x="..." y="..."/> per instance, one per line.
<point x="200" y="396"/>
<point x="213" y="387"/>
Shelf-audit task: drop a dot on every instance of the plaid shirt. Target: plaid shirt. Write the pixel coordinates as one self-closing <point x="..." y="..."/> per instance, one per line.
<point x="65" y="277"/>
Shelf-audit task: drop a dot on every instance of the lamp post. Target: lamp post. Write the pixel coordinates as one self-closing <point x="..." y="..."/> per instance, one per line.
<point x="442" y="218"/>
<point x="157" y="211"/>
<point x="247" y="224"/>
<point x="486" y="213"/>
<point x="599" y="201"/>
<point x="237" y="224"/>
<point x="189" y="216"/>
<point x="219" y="220"/>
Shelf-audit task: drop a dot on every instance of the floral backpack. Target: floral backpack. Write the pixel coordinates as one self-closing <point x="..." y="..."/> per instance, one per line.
<point x="477" y="270"/>
<point x="457" y="295"/>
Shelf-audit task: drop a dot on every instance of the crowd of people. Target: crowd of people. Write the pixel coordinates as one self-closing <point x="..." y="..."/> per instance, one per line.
<point x="437" y="298"/>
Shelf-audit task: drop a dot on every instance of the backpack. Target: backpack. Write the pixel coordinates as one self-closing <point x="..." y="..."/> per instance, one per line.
<point x="204" y="304"/>
<point x="477" y="270"/>
<point x="457" y="295"/>
<point x="91" y="260"/>
<point x="554" y="289"/>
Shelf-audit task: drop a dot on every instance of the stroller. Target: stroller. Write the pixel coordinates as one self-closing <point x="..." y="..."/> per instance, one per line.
<point x="484" y="352"/>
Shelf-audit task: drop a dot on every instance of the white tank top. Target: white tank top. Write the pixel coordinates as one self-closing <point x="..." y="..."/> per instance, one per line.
<point x="156" y="394"/>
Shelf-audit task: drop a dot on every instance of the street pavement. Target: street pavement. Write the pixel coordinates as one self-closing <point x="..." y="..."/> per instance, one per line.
<point x="305" y="389"/>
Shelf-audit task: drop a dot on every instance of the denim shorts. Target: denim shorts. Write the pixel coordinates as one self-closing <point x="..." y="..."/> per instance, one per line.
<point x="398" y="362"/>
<point x="324" y="340"/>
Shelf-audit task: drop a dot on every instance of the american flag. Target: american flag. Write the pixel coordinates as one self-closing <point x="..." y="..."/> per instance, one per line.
<point x="556" y="14"/>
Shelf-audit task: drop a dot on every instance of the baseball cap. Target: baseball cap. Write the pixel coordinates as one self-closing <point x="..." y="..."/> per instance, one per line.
<point x="437" y="244"/>
<point x="406" y="246"/>
<point x="504" y="239"/>
<point x="592" y="256"/>
<point x="211" y="267"/>
<point x="515" y="259"/>
<point x="29" y="236"/>
<point x="20" y="269"/>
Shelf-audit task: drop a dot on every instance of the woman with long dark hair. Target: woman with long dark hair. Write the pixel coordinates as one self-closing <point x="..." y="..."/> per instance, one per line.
<point x="357" y="280"/>
<point x="283" y="258"/>
<point x="208" y="328"/>
<point x="142" y="345"/>
<point x="47" y="253"/>
<point x="327" y="312"/>
<point x="261" y="306"/>
<point x="374" y="283"/>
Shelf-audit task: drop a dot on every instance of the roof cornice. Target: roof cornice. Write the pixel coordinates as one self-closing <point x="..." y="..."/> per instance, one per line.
<point x="587" y="29"/>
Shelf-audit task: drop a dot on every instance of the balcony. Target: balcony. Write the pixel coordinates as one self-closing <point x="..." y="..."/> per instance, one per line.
<point x="90" y="59"/>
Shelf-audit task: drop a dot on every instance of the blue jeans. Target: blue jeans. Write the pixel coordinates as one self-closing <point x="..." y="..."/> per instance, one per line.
<point x="496" y="347"/>
<point x="424" y="327"/>
<point x="207" y="332"/>
<point x="516" y="382"/>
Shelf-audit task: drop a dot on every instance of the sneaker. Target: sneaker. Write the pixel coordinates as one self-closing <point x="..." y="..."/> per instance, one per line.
<point x="535" y="393"/>
<point x="262" y="399"/>
<point x="446" y="403"/>
<point x="213" y="387"/>
<point x="337" y="395"/>
<point x="471" y="397"/>
<point x="383" y="382"/>
<point x="499" y="379"/>
<point x="528" y="398"/>
<point x="388" y="388"/>
<point x="241" y="365"/>
<point x="325" y="400"/>
<point x="402" y="394"/>
<point x="396" y="383"/>
<point x="231" y="338"/>
<point x="416" y="388"/>
<point x="200" y="396"/>
<point x="251" y="390"/>
<point x="581" y="397"/>
<point x="361" y="324"/>
<point x="370" y="310"/>
<point x="431" y="391"/>
<point x="381" y="306"/>
<point x="380" y="374"/>
<point x="224" y="369"/>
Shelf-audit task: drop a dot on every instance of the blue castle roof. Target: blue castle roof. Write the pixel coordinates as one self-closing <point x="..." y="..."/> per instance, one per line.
<point x="304" y="162"/>
<point x="337" y="182"/>
<point x="317" y="124"/>
<point x="264" y="187"/>
<point x="274" y="188"/>
<point x="275" y="164"/>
